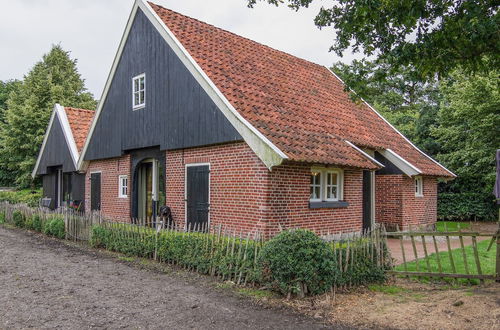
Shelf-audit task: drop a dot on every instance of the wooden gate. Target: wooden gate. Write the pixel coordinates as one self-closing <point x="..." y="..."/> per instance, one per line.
<point x="454" y="254"/>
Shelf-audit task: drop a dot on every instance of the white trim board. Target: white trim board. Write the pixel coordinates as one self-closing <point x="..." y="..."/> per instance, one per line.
<point x="394" y="128"/>
<point x="365" y="154"/>
<point x="400" y="162"/>
<point x="60" y="112"/>
<point x="269" y="154"/>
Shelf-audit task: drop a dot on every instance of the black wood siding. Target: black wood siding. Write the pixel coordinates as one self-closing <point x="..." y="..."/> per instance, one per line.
<point x="178" y="113"/>
<point x="56" y="152"/>
<point x="389" y="168"/>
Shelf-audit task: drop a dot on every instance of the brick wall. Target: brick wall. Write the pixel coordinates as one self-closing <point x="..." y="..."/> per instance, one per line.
<point x="238" y="185"/>
<point x="419" y="210"/>
<point x="288" y="202"/>
<point x="112" y="206"/>
<point x="246" y="197"/>
<point x="396" y="202"/>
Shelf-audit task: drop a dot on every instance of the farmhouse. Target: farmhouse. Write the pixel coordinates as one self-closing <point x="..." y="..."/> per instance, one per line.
<point x="57" y="161"/>
<point x="225" y="130"/>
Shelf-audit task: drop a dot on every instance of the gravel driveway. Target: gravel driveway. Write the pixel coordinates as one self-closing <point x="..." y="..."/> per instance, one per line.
<point x="49" y="284"/>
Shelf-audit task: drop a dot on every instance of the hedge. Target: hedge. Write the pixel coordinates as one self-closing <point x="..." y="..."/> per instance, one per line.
<point x="245" y="260"/>
<point x="466" y="206"/>
<point x="229" y="257"/>
<point x="25" y="196"/>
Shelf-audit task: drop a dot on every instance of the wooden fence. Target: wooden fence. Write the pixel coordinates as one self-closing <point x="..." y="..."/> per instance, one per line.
<point x="449" y="254"/>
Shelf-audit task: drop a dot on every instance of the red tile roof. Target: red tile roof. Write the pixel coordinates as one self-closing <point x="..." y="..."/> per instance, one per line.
<point x="79" y="121"/>
<point x="301" y="107"/>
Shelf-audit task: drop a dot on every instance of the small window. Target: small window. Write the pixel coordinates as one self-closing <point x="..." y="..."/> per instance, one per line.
<point x="332" y="186"/>
<point x="326" y="185"/>
<point x="419" y="186"/>
<point x="139" y="91"/>
<point x="315" y="186"/>
<point x="122" y="186"/>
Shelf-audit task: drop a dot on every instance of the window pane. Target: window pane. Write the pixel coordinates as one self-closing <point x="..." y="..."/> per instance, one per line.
<point x="136" y="85"/>
<point x="142" y="97"/>
<point x="142" y="83"/>
<point x="136" y="98"/>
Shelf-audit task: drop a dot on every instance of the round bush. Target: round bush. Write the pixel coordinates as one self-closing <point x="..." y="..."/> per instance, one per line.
<point x="298" y="261"/>
<point x="54" y="227"/>
<point x="18" y="218"/>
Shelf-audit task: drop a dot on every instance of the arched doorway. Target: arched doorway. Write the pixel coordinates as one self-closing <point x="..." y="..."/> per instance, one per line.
<point x="149" y="189"/>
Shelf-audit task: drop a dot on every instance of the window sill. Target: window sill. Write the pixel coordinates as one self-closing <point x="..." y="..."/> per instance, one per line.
<point x="328" y="205"/>
<point x="419" y="196"/>
<point x="138" y="107"/>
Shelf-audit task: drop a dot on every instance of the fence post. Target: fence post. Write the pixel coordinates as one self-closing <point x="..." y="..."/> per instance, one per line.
<point x="498" y="258"/>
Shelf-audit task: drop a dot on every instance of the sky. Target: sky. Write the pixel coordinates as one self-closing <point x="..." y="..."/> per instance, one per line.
<point x="91" y="30"/>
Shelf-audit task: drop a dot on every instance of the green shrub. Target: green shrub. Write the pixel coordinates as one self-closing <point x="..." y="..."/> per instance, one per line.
<point x="2" y="217"/>
<point x="18" y="218"/>
<point x="37" y="222"/>
<point x="54" y="226"/>
<point x="466" y="206"/>
<point x="28" y="223"/>
<point x="201" y="251"/>
<point x="297" y="258"/>
<point x="25" y="196"/>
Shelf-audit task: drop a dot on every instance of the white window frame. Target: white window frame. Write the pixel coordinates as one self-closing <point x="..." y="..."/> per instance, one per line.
<point x="339" y="184"/>
<point x="311" y="185"/>
<point x="142" y="104"/>
<point x="324" y="184"/>
<point x="419" y="186"/>
<point x="122" y="186"/>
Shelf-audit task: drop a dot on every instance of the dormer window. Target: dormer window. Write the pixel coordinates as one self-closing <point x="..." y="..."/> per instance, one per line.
<point x="139" y="91"/>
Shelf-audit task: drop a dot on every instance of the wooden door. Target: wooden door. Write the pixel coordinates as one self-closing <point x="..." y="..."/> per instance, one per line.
<point x="197" y="195"/>
<point x="367" y="200"/>
<point x="95" y="191"/>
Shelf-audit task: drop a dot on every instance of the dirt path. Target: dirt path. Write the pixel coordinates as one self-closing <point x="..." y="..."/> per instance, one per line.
<point x="48" y="284"/>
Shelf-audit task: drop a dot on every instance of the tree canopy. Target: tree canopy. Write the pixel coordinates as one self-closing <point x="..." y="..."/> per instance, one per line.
<point x="54" y="79"/>
<point x="434" y="36"/>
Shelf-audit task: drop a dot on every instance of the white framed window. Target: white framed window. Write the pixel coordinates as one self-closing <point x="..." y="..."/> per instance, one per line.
<point x="123" y="186"/>
<point x="139" y="91"/>
<point x="326" y="185"/>
<point x="315" y="185"/>
<point x="419" y="186"/>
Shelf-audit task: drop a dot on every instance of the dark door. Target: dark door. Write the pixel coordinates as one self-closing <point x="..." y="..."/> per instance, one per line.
<point x="95" y="191"/>
<point x="367" y="200"/>
<point x="197" y="195"/>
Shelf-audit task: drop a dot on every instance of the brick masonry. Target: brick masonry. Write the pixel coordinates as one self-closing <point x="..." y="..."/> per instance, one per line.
<point x="246" y="197"/>
<point x="396" y="203"/>
<point x="112" y="206"/>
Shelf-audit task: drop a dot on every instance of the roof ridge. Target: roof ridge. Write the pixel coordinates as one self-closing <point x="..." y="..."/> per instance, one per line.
<point x="239" y="36"/>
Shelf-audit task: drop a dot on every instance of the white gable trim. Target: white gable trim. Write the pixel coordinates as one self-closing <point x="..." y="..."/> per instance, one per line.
<point x="68" y="135"/>
<point x="400" y="162"/>
<point x="81" y="163"/>
<point x="365" y="154"/>
<point x="262" y="146"/>
<point x="394" y="128"/>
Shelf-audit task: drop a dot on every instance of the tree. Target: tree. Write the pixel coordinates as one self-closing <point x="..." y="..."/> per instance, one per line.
<point x="54" y="79"/>
<point x="406" y="102"/>
<point x="434" y="36"/>
<point x="6" y="87"/>
<point x="469" y="131"/>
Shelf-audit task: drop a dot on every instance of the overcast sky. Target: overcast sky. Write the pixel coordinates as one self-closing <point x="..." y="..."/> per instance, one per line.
<point x="91" y="30"/>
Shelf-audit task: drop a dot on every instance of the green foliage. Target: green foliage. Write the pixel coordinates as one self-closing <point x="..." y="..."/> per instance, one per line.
<point x="37" y="222"/>
<point x="18" y="219"/>
<point x="54" y="79"/>
<point x="469" y="134"/>
<point x="54" y="226"/>
<point x="24" y="196"/>
<point x="466" y="206"/>
<point x="2" y="217"/>
<point x="435" y="36"/>
<point x="444" y="226"/>
<point x="200" y="251"/>
<point x="400" y="97"/>
<point x="296" y="258"/>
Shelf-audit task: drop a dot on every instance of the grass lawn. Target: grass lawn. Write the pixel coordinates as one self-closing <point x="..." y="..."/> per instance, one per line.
<point x="451" y="225"/>
<point x="487" y="261"/>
